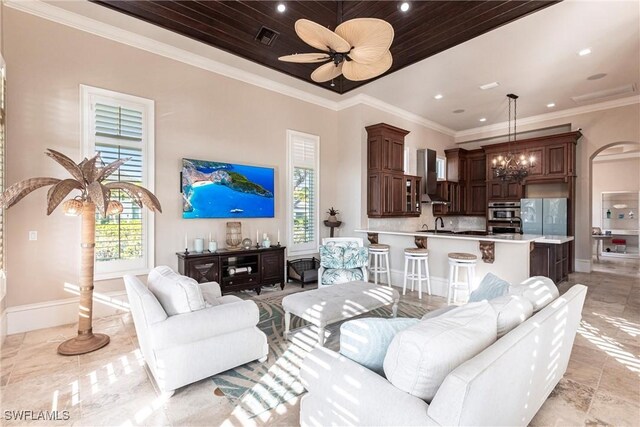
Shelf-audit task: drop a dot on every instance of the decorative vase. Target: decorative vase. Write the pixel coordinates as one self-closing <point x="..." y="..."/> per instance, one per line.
<point x="246" y="243"/>
<point x="234" y="234"/>
<point x="213" y="246"/>
<point x="198" y="245"/>
<point x="332" y="218"/>
<point x="266" y="243"/>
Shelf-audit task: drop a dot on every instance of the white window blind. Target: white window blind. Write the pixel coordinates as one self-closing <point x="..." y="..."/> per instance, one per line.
<point x="121" y="126"/>
<point x="302" y="212"/>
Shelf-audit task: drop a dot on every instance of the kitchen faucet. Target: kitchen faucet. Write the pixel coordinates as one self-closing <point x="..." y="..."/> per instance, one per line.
<point x="519" y="220"/>
<point x="441" y="223"/>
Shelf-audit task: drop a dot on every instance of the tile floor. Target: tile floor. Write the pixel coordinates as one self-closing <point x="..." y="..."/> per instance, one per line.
<point x="111" y="386"/>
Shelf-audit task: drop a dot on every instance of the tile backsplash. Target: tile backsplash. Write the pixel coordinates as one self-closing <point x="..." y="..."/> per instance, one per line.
<point x="415" y="223"/>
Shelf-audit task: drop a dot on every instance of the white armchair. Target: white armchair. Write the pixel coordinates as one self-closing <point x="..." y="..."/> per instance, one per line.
<point x="185" y="348"/>
<point x="356" y="268"/>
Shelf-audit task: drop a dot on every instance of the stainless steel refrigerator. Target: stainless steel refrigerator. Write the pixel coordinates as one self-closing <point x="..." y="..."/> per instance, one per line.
<point x="544" y="216"/>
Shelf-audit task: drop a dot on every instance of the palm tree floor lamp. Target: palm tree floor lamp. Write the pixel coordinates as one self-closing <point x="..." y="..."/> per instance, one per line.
<point x="87" y="178"/>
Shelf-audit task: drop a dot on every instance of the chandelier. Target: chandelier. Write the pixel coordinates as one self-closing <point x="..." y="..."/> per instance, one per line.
<point x="512" y="167"/>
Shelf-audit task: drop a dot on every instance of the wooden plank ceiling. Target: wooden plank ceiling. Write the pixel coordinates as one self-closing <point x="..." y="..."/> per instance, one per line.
<point x="429" y="27"/>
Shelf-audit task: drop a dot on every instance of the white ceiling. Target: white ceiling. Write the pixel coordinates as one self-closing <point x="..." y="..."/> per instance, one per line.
<point x="535" y="57"/>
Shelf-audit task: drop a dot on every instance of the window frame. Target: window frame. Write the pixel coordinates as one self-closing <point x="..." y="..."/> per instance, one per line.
<point x="89" y="95"/>
<point x="311" y="247"/>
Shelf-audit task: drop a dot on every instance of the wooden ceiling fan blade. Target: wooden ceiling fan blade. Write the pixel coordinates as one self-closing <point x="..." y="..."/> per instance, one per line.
<point x="305" y="57"/>
<point x="370" y="38"/>
<point x="320" y="37"/>
<point x="355" y="71"/>
<point x="326" y="72"/>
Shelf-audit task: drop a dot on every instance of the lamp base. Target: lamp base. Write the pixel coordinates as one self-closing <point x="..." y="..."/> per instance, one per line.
<point x="83" y="344"/>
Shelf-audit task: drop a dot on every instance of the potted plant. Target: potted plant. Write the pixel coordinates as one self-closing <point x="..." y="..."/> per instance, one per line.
<point x="332" y="214"/>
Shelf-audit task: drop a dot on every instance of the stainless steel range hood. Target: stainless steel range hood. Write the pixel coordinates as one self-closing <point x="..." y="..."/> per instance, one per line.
<point x="427" y="171"/>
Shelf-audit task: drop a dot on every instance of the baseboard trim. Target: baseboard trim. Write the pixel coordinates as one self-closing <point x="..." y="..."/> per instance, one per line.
<point x="3" y="326"/>
<point x="583" y="265"/>
<point x="29" y="317"/>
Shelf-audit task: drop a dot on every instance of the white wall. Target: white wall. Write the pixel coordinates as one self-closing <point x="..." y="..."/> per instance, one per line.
<point x="199" y="114"/>
<point x="613" y="175"/>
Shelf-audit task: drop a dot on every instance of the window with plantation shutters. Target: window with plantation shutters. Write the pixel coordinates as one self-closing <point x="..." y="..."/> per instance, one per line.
<point x="302" y="211"/>
<point x="121" y="126"/>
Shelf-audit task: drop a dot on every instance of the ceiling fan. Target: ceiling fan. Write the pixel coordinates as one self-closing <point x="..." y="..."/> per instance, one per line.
<point x="358" y="49"/>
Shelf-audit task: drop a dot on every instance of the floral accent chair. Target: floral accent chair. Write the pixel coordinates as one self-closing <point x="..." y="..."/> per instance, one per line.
<point x="342" y="259"/>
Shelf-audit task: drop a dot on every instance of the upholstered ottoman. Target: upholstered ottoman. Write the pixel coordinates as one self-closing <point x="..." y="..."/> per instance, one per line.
<point x="331" y="304"/>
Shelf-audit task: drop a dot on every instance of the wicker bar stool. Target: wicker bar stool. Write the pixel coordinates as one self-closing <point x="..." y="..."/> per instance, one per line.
<point x="379" y="261"/>
<point x="416" y="256"/>
<point x="459" y="260"/>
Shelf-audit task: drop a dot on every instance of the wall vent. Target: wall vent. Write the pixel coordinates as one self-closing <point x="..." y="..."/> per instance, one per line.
<point x="267" y="36"/>
<point x="603" y="94"/>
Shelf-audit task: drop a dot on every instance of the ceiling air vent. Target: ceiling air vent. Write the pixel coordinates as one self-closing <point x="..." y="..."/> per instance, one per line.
<point x="603" y="94"/>
<point x="267" y="36"/>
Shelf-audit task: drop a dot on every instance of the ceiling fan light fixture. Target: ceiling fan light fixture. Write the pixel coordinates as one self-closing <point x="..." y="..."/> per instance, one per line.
<point x="359" y="48"/>
<point x="405" y="6"/>
<point x="281" y="7"/>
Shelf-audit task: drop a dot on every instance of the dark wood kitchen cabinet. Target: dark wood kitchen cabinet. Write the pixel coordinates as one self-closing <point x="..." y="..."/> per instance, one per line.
<point x="465" y="187"/>
<point x="385" y="148"/>
<point x="551" y="260"/>
<point x="236" y="270"/>
<point x="387" y="185"/>
<point x="554" y="158"/>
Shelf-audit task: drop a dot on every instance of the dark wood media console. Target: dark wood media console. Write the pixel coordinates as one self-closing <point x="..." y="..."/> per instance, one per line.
<point x="236" y="270"/>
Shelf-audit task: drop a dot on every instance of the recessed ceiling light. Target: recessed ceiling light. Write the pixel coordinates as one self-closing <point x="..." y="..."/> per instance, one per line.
<point x="585" y="51"/>
<point x="281" y="7"/>
<point x="597" y="76"/>
<point x="438" y="96"/>
<point x="483" y="119"/>
<point x="551" y="105"/>
<point x="458" y="111"/>
<point x="404" y="6"/>
<point x="490" y="85"/>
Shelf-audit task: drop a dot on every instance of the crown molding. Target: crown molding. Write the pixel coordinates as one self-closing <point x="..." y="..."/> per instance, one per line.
<point x="61" y="16"/>
<point x="363" y="99"/>
<point x="622" y="102"/>
<point x="129" y="38"/>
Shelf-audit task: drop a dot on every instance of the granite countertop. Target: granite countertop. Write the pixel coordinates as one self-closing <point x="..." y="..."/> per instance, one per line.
<point x="506" y="238"/>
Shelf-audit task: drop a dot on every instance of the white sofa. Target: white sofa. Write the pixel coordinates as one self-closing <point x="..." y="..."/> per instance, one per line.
<point x="505" y="384"/>
<point x="185" y="348"/>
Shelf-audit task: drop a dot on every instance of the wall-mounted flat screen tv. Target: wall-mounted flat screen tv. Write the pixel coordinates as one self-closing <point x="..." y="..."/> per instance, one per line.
<point x="226" y="190"/>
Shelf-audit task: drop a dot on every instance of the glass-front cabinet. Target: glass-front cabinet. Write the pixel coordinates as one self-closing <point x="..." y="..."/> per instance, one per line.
<point x="620" y="221"/>
<point x="412" y="194"/>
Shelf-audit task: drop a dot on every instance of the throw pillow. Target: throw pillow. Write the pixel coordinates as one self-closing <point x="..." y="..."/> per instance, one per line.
<point x="489" y="288"/>
<point x="421" y="356"/>
<point x="343" y="243"/>
<point x="512" y="310"/>
<point x="356" y="257"/>
<point x="331" y="256"/>
<point x="539" y="290"/>
<point x="177" y="294"/>
<point x="365" y="341"/>
<point x="210" y="295"/>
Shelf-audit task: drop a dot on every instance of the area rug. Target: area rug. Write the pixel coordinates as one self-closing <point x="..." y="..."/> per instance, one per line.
<point x="258" y="387"/>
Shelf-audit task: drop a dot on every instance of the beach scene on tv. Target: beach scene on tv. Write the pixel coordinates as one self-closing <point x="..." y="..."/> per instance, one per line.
<point x="226" y="190"/>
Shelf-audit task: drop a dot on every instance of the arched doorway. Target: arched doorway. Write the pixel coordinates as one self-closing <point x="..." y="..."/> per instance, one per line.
<point x="614" y="171"/>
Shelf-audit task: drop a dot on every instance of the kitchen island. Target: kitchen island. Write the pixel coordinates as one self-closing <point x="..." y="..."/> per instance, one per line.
<point x="508" y="256"/>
